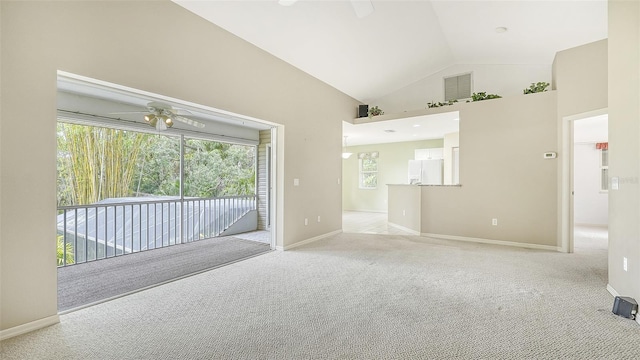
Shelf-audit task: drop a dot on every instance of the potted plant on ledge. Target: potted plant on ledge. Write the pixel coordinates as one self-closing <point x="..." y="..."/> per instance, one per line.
<point x="375" y="111"/>
<point x="536" y="88"/>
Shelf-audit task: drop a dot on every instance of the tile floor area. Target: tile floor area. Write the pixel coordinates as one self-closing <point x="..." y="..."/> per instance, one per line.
<point x="368" y="223"/>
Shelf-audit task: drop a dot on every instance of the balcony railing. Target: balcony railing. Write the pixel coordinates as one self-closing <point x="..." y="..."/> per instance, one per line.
<point x="120" y="226"/>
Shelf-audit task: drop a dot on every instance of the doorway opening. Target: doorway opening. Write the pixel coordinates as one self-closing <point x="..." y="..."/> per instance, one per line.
<point x="590" y="183"/>
<point x="591" y="136"/>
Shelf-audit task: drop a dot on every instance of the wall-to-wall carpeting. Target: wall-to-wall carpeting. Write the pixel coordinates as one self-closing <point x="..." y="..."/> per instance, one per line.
<point x="357" y="296"/>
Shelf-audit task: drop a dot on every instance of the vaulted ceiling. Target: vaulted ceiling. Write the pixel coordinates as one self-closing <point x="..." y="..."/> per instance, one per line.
<point x="402" y="42"/>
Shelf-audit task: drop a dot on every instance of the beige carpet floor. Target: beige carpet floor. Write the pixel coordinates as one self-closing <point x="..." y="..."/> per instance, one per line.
<point x="359" y="296"/>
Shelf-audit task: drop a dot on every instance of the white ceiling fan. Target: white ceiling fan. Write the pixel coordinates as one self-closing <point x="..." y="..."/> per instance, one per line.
<point x="162" y="116"/>
<point x="362" y="8"/>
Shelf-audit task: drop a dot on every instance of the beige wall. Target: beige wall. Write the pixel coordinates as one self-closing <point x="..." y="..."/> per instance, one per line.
<point x="405" y="206"/>
<point x="197" y="62"/>
<point x="503" y="79"/>
<point x="393" y="167"/>
<point x="1" y="176"/>
<point x="502" y="173"/>
<point x="624" y="149"/>
<point x="580" y="76"/>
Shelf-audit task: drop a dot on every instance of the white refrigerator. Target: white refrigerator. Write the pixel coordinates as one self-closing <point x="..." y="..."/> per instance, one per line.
<point x="425" y="172"/>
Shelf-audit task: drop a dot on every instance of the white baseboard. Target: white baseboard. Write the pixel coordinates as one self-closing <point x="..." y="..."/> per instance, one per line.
<point x="399" y="227"/>
<point x="307" y="241"/>
<point x="494" y="242"/>
<point x="28" y="327"/>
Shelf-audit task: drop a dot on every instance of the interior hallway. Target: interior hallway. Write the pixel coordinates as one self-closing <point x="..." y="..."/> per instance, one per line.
<point x="587" y="237"/>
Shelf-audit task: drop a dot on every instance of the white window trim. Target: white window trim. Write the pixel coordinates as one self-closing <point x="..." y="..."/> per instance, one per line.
<point x="361" y="156"/>
<point x="603" y="190"/>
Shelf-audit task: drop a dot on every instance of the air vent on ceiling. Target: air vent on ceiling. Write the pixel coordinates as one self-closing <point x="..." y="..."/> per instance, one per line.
<point x="457" y="87"/>
<point x="389" y="131"/>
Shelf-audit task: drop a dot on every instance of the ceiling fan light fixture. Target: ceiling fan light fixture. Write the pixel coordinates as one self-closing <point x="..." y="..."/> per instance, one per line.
<point x="161" y="126"/>
<point x="151" y="119"/>
<point x="162" y="116"/>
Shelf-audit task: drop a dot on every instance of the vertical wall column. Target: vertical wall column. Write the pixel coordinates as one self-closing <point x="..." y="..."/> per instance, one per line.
<point x="624" y="147"/>
<point x="262" y="176"/>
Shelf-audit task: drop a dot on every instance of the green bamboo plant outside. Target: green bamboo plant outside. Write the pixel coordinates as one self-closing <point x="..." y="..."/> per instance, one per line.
<point x="102" y="162"/>
<point x="69" y="256"/>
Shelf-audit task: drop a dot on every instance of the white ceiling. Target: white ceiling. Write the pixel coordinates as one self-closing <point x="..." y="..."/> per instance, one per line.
<point x="402" y="42"/>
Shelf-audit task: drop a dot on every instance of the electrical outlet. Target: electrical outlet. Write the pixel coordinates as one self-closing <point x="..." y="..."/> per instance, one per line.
<point x="624" y="263"/>
<point x="306" y="221"/>
<point x="494" y="222"/>
<point x="404" y="212"/>
<point x="318" y="218"/>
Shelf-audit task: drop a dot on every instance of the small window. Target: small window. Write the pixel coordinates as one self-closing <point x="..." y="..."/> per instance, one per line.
<point x="457" y="87"/>
<point x="368" y="165"/>
<point x="604" y="169"/>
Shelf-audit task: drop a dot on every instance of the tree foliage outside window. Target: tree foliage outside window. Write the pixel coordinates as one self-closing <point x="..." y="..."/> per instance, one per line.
<point x="368" y="169"/>
<point x="96" y="163"/>
<point x="214" y="169"/>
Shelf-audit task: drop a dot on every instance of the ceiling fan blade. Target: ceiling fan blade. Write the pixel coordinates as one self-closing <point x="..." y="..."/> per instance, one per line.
<point x="178" y="111"/>
<point x="189" y="121"/>
<point x="363" y="8"/>
<point x="129" y="112"/>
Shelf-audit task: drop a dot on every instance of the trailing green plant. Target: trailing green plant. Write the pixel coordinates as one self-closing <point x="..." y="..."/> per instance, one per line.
<point x="536" y="88"/>
<point x="483" y="96"/>
<point x="439" y="104"/>
<point x="62" y="255"/>
<point x="375" y="111"/>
